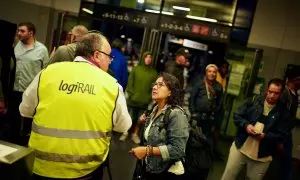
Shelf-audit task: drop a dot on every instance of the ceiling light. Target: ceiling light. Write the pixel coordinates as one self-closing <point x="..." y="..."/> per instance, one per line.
<point x="181" y="8"/>
<point x="167" y="13"/>
<point x="152" y="11"/>
<point x="87" y="11"/>
<point x="141" y="1"/>
<point x="201" y="18"/>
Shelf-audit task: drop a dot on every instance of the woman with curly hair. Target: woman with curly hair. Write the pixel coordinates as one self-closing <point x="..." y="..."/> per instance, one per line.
<point x="164" y="141"/>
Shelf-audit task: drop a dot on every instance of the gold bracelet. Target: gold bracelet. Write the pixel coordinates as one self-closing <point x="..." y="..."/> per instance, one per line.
<point x="151" y="150"/>
<point x="147" y="151"/>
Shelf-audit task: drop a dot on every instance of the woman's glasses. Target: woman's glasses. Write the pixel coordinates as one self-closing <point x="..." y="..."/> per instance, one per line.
<point x="158" y="84"/>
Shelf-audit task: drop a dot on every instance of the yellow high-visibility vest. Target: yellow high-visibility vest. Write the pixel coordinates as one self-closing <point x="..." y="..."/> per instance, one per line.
<point x="72" y="126"/>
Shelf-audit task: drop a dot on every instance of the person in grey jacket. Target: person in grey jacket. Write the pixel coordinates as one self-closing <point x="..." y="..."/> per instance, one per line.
<point x="164" y="142"/>
<point x="67" y="52"/>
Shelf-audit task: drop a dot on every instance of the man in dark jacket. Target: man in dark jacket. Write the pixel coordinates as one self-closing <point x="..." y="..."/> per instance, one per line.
<point x="262" y="123"/>
<point x="176" y="67"/>
<point x="290" y="98"/>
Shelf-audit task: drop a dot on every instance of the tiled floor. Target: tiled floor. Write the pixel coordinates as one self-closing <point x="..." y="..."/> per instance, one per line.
<point x="122" y="164"/>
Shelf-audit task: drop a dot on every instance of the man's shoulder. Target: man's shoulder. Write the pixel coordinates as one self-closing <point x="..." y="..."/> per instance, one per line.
<point x="170" y="66"/>
<point x="170" y="63"/>
<point x="68" y="47"/>
<point x="282" y="107"/>
<point x="41" y="46"/>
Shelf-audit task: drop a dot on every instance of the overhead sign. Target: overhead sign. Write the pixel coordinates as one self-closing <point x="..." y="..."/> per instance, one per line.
<point x="192" y="27"/>
<point x="194" y="45"/>
<point x="173" y="24"/>
<point x="125" y="16"/>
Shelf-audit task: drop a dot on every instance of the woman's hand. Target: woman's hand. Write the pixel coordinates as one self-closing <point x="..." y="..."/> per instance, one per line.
<point x="139" y="152"/>
<point x="143" y="118"/>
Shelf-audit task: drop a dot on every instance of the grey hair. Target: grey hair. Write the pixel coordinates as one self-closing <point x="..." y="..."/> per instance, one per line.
<point x="89" y="43"/>
<point x="79" y="31"/>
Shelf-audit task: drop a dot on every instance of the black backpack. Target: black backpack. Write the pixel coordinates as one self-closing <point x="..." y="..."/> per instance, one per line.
<point x="198" y="151"/>
<point x="198" y="154"/>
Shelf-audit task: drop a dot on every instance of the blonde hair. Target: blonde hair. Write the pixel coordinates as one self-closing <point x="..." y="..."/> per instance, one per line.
<point x="211" y="65"/>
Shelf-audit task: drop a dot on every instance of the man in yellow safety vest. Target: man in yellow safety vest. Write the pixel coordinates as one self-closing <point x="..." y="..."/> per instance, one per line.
<point x="75" y="106"/>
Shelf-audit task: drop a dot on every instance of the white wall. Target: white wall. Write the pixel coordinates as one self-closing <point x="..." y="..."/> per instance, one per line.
<point x="63" y="5"/>
<point x="16" y="11"/>
<point x="276" y="24"/>
<point x="276" y="28"/>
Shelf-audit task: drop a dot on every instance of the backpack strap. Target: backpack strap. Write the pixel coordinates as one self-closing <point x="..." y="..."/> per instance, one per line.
<point x="168" y="112"/>
<point x="254" y="98"/>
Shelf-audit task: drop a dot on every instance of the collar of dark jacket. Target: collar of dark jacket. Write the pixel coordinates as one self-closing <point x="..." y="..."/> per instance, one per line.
<point x="261" y="100"/>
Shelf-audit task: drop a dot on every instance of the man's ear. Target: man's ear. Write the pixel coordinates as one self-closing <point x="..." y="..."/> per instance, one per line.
<point x="31" y="33"/>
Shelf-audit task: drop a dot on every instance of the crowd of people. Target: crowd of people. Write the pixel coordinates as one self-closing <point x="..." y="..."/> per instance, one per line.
<point x="69" y="104"/>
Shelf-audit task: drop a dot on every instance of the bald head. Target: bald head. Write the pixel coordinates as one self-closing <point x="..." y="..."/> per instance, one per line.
<point x="89" y="43"/>
<point x="95" y="46"/>
<point x="77" y="33"/>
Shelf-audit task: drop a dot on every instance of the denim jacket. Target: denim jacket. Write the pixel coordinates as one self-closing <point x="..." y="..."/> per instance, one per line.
<point x="171" y="139"/>
<point x="277" y="124"/>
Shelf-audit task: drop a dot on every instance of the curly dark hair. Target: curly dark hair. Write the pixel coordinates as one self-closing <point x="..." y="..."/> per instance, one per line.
<point x="173" y="85"/>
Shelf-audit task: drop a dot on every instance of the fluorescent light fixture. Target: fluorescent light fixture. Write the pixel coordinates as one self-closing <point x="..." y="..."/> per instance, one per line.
<point x="157" y="12"/>
<point x="181" y="8"/>
<point x="167" y="13"/>
<point x="152" y="11"/>
<point x="87" y="11"/>
<point x="201" y="18"/>
<point x="141" y="1"/>
<point x="194" y="45"/>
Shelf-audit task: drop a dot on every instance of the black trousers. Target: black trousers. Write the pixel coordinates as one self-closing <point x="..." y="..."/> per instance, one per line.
<point x="19" y="127"/>
<point x="96" y="175"/>
<point x="15" y="117"/>
<point x="202" y="174"/>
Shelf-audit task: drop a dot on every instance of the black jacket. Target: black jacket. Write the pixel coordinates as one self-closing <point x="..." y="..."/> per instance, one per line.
<point x="276" y="124"/>
<point x="176" y="70"/>
<point x="199" y="100"/>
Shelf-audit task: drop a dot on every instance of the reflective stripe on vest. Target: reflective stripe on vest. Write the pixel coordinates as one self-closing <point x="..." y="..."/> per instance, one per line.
<point x="67" y="158"/>
<point x="74" y="134"/>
